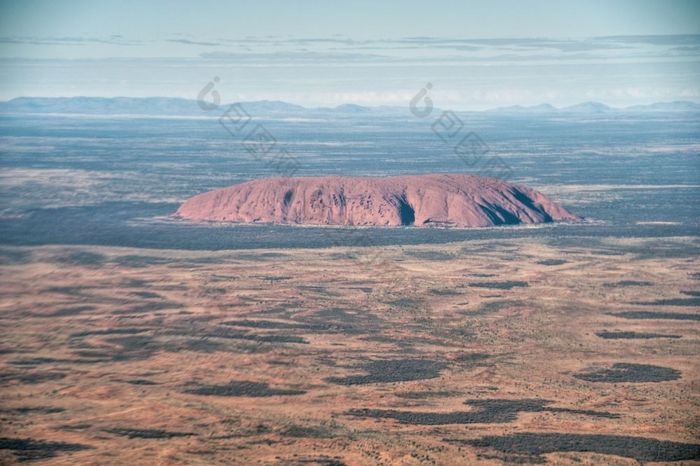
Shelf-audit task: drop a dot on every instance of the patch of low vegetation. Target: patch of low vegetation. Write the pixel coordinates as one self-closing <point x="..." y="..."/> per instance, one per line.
<point x="234" y="334"/>
<point x="148" y="306"/>
<point x="406" y="303"/>
<point x="342" y="321"/>
<point x="31" y="378"/>
<point x="139" y="347"/>
<point x="272" y="279"/>
<point x="485" y="412"/>
<point x="532" y="446"/>
<point x="444" y="292"/>
<point x="110" y="331"/>
<point x="14" y="257"/>
<point x="198" y="345"/>
<point x="67" y="311"/>
<point x="691" y="302"/>
<point x="68" y="290"/>
<point x="33" y="410"/>
<point x="490" y="307"/>
<point x="308" y="432"/>
<point x="422" y="395"/>
<point x="147" y="433"/>
<point x="132" y="347"/>
<point x="139" y="261"/>
<point x="393" y="370"/>
<point x="264" y="324"/>
<point x="81" y="258"/>
<point x="507" y="285"/>
<point x="622" y="335"/>
<point x="38" y="361"/>
<point x="320" y="290"/>
<point x="276" y="338"/>
<point x="146" y="294"/>
<point x="655" y="315"/>
<point x="301" y="460"/>
<point x="135" y="283"/>
<point x="626" y="372"/>
<point x="35" y="361"/>
<point x="76" y="427"/>
<point x="242" y="388"/>
<point x="430" y="255"/>
<point x="472" y="359"/>
<point x="626" y="283"/>
<point x="26" y="449"/>
<point x="202" y="260"/>
<point x="260" y="256"/>
<point x="552" y="262"/>
<point x="141" y="382"/>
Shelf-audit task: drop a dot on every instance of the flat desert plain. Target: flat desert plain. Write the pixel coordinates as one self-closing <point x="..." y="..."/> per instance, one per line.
<point x="479" y="352"/>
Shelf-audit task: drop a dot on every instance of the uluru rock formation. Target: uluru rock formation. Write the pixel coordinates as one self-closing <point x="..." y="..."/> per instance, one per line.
<point x="448" y="200"/>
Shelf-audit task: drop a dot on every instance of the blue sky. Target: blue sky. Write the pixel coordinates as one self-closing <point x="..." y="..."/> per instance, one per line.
<point x="476" y="54"/>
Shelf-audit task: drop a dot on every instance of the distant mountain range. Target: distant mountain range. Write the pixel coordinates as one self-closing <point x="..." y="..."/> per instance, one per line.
<point x="597" y="107"/>
<point x="130" y="106"/>
<point x="184" y="107"/>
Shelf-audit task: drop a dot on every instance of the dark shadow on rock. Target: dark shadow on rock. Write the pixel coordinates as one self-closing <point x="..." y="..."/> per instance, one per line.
<point x="406" y="212"/>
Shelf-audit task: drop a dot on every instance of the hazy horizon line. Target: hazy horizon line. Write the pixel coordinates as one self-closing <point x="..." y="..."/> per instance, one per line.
<point x="540" y="105"/>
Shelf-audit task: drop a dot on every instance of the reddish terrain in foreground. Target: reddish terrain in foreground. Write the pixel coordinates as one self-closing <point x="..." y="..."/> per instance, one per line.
<point x="479" y="352"/>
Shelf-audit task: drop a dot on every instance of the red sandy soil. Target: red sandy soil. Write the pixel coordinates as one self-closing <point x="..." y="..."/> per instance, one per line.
<point x="475" y="352"/>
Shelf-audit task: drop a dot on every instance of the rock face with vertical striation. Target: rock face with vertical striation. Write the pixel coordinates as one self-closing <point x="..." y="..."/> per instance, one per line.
<point x="444" y="200"/>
